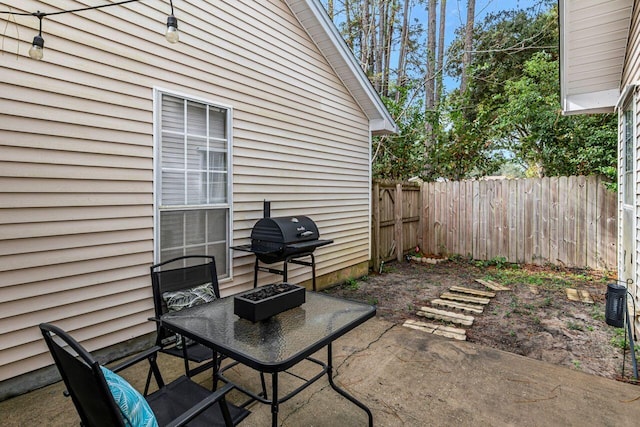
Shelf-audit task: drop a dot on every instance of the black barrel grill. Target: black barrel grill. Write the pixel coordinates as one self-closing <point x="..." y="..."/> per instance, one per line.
<point x="283" y="239"/>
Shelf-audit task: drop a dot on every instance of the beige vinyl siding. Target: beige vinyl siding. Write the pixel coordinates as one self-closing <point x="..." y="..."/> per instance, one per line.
<point x="631" y="70"/>
<point x="76" y="156"/>
<point x="631" y="75"/>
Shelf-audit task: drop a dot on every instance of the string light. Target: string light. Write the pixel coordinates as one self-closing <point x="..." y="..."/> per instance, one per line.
<point x="172" y="34"/>
<point x="37" y="47"/>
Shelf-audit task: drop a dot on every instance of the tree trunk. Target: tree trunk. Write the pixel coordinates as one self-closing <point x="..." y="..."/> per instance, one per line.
<point x="440" y="59"/>
<point x="380" y="44"/>
<point x="388" y="46"/>
<point x="431" y="56"/>
<point x="468" y="44"/>
<point x="402" y="53"/>
<point x="349" y="25"/>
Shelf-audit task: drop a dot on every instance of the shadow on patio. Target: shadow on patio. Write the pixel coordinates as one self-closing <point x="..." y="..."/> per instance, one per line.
<point x="406" y="378"/>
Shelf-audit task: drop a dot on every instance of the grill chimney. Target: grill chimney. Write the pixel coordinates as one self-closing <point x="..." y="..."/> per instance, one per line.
<point x="266" y="209"/>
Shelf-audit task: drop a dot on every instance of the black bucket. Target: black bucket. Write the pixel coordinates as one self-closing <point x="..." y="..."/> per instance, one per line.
<point x="616" y="302"/>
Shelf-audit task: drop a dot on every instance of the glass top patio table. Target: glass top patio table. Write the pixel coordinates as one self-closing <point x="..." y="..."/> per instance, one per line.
<point x="274" y="344"/>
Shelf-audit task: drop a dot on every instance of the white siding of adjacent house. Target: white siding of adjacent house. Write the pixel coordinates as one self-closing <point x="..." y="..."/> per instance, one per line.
<point x="76" y="167"/>
<point x="630" y="77"/>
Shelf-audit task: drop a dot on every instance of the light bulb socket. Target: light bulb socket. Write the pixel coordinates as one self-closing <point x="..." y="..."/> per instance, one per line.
<point x="172" y="21"/>
<point x="38" y="41"/>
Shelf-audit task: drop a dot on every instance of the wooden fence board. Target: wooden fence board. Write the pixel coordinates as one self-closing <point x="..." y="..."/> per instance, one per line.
<point x="553" y="220"/>
<point x="591" y="232"/>
<point x="581" y="222"/>
<point x="453" y="238"/>
<point x="512" y="210"/>
<point x="467" y="208"/>
<point x="544" y="220"/>
<point x="562" y="212"/>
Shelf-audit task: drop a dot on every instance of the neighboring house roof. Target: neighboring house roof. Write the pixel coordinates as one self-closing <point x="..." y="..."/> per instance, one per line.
<point x="326" y="36"/>
<point x="593" y="41"/>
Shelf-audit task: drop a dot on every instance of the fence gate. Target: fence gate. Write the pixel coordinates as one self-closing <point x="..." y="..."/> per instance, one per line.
<point x="396" y="220"/>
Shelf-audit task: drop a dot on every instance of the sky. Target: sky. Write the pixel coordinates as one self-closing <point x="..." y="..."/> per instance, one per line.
<point x="457" y="17"/>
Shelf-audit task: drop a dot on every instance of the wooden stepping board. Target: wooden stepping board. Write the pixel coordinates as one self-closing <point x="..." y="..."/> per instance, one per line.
<point x="492" y="285"/>
<point x="465" y="298"/>
<point x="445" y="331"/>
<point x="449" y="316"/>
<point x="579" y="295"/>
<point x="470" y="291"/>
<point x="472" y="308"/>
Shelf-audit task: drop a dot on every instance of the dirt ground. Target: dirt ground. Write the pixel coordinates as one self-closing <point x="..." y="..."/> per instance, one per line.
<point x="533" y="319"/>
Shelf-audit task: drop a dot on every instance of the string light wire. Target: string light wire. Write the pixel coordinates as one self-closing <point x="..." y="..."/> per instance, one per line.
<point x="36" y="50"/>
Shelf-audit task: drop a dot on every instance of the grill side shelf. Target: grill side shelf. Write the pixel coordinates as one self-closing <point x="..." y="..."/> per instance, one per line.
<point x="250" y="248"/>
<point x="309" y="244"/>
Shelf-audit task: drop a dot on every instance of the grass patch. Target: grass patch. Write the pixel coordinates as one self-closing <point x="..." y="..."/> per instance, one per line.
<point x="619" y="340"/>
<point x="352" y="284"/>
<point x="552" y="280"/>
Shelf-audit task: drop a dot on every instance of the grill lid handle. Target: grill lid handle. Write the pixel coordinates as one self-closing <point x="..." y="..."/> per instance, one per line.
<point x="305" y="233"/>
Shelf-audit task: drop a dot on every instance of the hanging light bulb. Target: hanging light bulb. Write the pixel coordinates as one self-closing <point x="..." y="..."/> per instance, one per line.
<point x="37" y="48"/>
<point x="172" y="34"/>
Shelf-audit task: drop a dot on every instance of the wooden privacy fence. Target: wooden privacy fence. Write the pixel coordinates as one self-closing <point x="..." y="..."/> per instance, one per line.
<point x="569" y="221"/>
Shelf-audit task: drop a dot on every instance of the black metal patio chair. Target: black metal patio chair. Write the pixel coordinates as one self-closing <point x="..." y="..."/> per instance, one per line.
<point x="179" y="283"/>
<point x="185" y="280"/>
<point x="102" y="398"/>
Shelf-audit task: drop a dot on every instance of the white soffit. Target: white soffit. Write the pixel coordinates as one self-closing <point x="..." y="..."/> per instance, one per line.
<point x="593" y="42"/>
<point x="316" y="22"/>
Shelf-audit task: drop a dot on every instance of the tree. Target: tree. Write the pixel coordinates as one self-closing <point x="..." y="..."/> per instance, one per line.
<point x="401" y="156"/>
<point x="507" y="110"/>
<point x="530" y="124"/>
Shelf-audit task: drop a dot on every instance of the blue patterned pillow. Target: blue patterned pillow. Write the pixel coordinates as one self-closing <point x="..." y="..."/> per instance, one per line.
<point x="134" y="408"/>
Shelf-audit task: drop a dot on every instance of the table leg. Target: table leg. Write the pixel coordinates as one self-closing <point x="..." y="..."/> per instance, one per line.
<point x="274" y="399"/>
<point x="341" y="391"/>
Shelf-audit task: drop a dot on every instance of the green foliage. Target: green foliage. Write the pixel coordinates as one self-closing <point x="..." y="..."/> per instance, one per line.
<point x="401" y="156"/>
<point x="511" y="107"/>
<point x="597" y="312"/>
<point x="507" y="122"/>
<point x="529" y="123"/>
<point x="619" y="340"/>
<point x="352" y="284"/>
<point x="574" y="326"/>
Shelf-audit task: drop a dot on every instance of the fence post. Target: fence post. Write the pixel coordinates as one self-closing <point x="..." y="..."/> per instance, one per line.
<point x="375" y="238"/>
<point x="398" y="228"/>
<point x="421" y="215"/>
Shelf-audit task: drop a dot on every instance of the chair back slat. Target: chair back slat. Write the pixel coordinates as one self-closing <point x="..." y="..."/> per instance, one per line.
<point x="83" y="379"/>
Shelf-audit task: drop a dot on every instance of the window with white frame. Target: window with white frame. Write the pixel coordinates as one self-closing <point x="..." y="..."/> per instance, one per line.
<point x="193" y="188"/>
<point x="628" y="186"/>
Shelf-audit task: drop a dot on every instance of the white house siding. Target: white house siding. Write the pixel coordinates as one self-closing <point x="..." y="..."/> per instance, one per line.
<point x="630" y="76"/>
<point x="76" y="144"/>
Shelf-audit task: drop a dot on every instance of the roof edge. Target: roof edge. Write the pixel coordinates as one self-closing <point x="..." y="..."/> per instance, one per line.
<point x="383" y="123"/>
<point x="604" y="101"/>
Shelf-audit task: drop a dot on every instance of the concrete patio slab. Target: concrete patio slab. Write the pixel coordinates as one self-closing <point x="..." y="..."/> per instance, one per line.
<point x="407" y="378"/>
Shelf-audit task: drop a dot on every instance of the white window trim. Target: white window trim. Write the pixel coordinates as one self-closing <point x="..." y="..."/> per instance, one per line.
<point x="157" y="93"/>
<point x="630" y="102"/>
